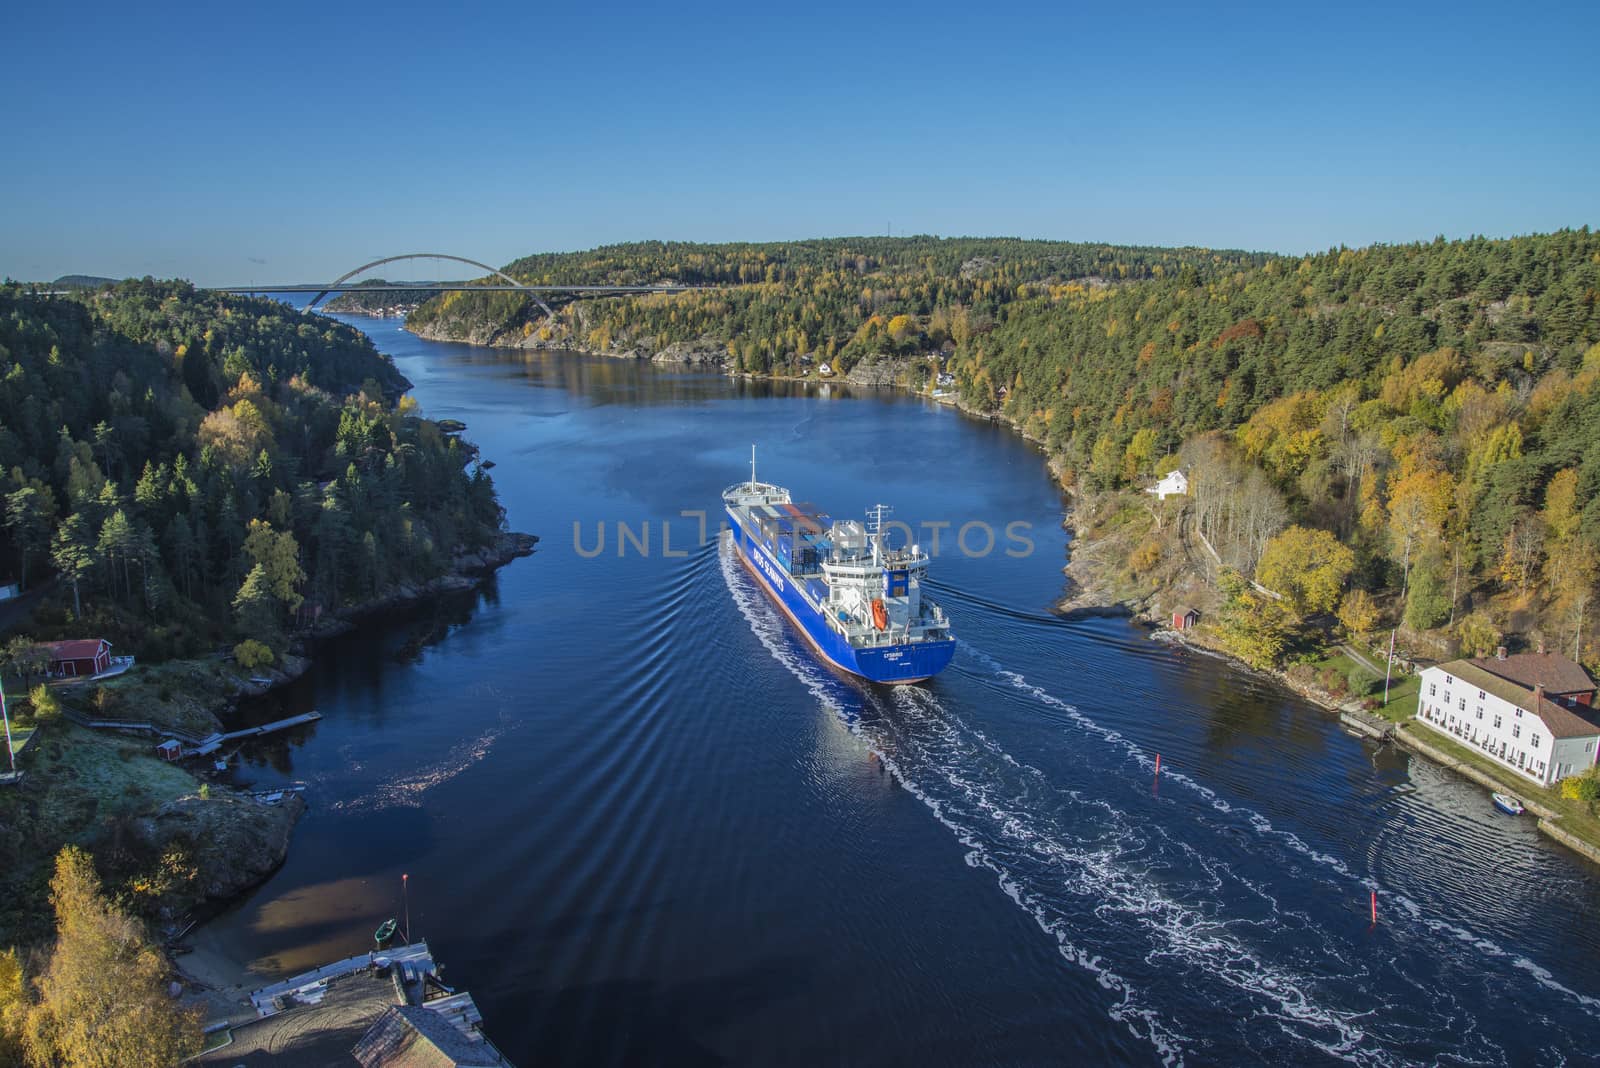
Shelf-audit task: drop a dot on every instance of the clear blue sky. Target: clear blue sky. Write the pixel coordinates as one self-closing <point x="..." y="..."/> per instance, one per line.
<point x="254" y="143"/>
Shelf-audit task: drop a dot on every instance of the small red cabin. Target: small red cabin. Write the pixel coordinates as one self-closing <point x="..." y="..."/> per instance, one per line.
<point x="1184" y="618"/>
<point x="80" y="657"/>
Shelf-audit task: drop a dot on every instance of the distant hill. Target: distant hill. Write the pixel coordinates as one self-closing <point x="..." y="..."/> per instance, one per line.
<point x="84" y="281"/>
<point x="362" y="301"/>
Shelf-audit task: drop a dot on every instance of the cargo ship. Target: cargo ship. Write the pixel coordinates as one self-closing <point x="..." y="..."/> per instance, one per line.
<point x="858" y="602"/>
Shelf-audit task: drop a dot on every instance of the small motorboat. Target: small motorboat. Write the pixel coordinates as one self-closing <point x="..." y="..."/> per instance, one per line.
<point x="1508" y="804"/>
<point x="385" y="932"/>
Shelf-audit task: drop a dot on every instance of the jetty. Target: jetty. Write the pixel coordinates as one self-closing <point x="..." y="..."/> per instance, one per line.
<point x="177" y="744"/>
<point x="367" y="1010"/>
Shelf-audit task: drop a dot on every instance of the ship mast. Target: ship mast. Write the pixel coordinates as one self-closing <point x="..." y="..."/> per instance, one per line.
<point x="875" y="529"/>
<point x="752" y="464"/>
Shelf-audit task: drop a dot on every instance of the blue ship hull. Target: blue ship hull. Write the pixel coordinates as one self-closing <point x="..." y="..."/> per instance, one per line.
<point x="909" y="662"/>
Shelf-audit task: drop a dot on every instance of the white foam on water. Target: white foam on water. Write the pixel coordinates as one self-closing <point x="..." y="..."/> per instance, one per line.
<point x="768" y="626"/>
<point x="1112" y="872"/>
<point x="406" y="791"/>
<point x="1264" y="827"/>
<point x="991" y="826"/>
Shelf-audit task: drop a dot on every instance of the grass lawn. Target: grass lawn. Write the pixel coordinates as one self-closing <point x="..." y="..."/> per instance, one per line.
<point x="1402" y="698"/>
<point x="76" y="776"/>
<point x="20" y="736"/>
<point x="1403" y="689"/>
<point x="78" y="782"/>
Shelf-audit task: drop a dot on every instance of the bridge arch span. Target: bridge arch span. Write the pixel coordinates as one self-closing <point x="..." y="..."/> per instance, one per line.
<point x="343" y="278"/>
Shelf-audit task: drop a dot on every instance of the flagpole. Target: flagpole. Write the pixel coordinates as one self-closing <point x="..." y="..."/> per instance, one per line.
<point x="1388" y="664"/>
<point x="405" y="892"/>
<point x="6" y="716"/>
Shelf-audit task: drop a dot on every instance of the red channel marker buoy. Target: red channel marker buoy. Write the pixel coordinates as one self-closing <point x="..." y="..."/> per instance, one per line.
<point x="1158" y="763"/>
<point x="1374" y="906"/>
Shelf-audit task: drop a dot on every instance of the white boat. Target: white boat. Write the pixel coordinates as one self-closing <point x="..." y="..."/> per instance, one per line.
<point x="1508" y="804"/>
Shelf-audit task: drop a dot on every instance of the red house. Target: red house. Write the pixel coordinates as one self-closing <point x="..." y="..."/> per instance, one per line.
<point x="79" y="657"/>
<point x="1184" y="618"/>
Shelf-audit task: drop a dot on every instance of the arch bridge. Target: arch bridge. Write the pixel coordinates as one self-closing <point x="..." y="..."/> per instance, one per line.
<point x="507" y="284"/>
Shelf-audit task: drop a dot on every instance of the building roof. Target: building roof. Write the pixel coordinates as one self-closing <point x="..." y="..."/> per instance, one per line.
<point x="75" y="648"/>
<point x="1554" y="672"/>
<point x="1561" y="722"/>
<point x="410" y="1036"/>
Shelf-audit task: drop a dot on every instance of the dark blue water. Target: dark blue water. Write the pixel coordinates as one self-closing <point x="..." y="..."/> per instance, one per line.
<point x="643" y="825"/>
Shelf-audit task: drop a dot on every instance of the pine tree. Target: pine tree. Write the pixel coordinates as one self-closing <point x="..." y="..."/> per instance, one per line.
<point x="74" y="556"/>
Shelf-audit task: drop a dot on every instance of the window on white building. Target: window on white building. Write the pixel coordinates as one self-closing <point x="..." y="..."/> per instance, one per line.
<point x="1516" y="730"/>
<point x="1534" y="741"/>
<point x="1497" y="720"/>
<point x="1433" y="689"/>
<point x="1519" y="713"/>
<point x="1480" y="711"/>
<point x="1461" y="703"/>
<point x="1480" y="695"/>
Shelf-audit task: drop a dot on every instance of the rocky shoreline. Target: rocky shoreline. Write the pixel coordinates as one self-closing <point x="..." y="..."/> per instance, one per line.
<point x="262" y="849"/>
<point x="230" y="840"/>
<point x="467" y="571"/>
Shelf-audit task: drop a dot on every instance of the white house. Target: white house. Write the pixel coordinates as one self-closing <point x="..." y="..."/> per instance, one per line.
<point x="1511" y="723"/>
<point x="1176" y="483"/>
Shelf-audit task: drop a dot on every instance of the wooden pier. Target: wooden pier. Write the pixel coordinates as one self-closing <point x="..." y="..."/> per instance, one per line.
<point x="212" y="742"/>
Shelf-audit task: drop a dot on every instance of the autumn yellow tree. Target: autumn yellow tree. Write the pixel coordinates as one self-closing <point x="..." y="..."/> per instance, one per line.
<point x="1418" y="507"/>
<point x="14" y="1007"/>
<point x="1358" y="613"/>
<point x="101" y="1002"/>
<point x="278" y="555"/>
<point x="1309" y="567"/>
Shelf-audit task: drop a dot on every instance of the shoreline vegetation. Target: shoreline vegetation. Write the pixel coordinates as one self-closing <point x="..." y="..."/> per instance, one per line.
<point x="1376" y="441"/>
<point x="213" y="484"/>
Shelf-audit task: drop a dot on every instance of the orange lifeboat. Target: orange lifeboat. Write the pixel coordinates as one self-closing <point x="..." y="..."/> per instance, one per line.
<point x="880" y="614"/>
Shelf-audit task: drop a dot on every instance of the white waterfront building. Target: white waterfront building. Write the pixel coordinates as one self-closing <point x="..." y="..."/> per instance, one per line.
<point x="1500" y="707"/>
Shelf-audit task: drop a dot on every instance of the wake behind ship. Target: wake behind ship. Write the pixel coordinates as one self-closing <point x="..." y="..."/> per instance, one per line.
<point x="858" y="602"/>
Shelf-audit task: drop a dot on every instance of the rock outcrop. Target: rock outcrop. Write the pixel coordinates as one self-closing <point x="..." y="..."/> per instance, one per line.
<point x="232" y="842"/>
<point x="878" y="372"/>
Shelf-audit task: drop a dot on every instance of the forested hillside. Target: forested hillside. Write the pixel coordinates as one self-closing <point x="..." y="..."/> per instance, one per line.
<point x="838" y="300"/>
<point x="1431" y="407"/>
<point x="197" y="467"/>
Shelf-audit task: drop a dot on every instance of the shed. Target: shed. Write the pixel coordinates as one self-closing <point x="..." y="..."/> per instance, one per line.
<point x="79" y="657"/>
<point x="1183" y="618"/>
<point x="171" y="749"/>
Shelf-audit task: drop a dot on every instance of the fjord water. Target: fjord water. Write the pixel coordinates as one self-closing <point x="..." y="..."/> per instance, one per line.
<point x="643" y="824"/>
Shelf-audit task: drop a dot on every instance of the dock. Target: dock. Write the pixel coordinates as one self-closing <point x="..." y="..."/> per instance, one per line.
<point x="367" y="1009"/>
<point x="313" y="984"/>
<point x="214" y="741"/>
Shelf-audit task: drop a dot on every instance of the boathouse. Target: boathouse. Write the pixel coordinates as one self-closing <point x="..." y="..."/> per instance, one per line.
<point x="78" y="658"/>
<point x="1184" y="618"/>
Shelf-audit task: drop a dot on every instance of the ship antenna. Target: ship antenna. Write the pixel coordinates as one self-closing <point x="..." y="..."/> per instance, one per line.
<point x="752" y="464"/>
